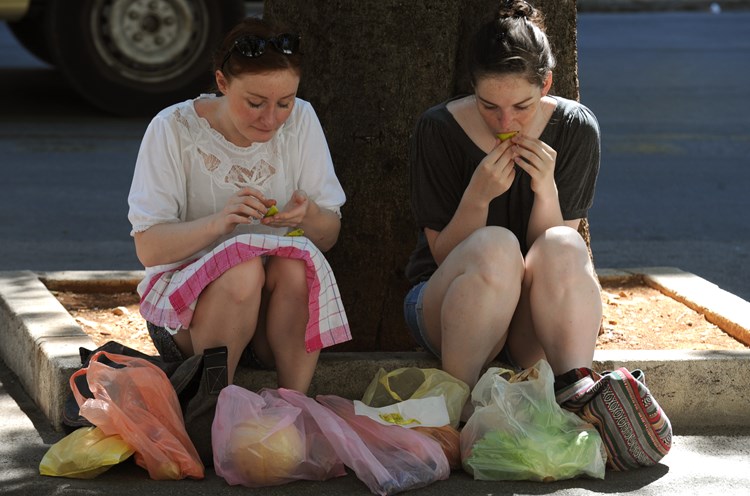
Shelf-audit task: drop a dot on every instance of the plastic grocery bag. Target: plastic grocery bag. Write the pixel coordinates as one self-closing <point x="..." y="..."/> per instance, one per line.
<point x="322" y="460"/>
<point x="346" y="442"/>
<point x="519" y="432"/>
<point x="263" y="440"/>
<point x="449" y="439"/>
<point x="84" y="453"/>
<point x="402" y="384"/>
<point x="133" y="398"/>
<point x="427" y="416"/>
<point x="400" y="459"/>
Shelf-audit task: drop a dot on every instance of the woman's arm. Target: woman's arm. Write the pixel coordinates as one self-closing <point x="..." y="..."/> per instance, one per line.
<point x="492" y="177"/>
<point x="321" y="225"/>
<point x="470" y="216"/>
<point x="315" y="203"/>
<point x="537" y="158"/>
<point x="574" y="170"/>
<point x="174" y="241"/>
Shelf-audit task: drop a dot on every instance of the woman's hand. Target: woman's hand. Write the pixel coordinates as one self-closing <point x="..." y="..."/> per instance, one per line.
<point x="292" y="214"/>
<point x="247" y="206"/>
<point x="494" y="175"/>
<point x="537" y="158"/>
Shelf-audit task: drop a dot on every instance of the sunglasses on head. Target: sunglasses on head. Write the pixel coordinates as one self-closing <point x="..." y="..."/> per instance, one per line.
<point x="254" y="46"/>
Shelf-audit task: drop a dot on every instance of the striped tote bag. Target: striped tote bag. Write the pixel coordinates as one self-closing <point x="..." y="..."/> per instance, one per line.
<point x="635" y="430"/>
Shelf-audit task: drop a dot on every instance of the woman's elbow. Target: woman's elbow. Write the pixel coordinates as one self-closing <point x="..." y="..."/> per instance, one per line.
<point x="143" y="250"/>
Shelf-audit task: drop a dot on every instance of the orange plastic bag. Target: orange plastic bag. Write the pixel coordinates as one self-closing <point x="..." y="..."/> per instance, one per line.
<point x="449" y="439"/>
<point x="134" y="398"/>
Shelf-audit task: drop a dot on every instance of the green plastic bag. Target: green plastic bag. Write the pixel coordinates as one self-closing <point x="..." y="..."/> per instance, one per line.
<point x="388" y="388"/>
<point x="519" y="432"/>
<point x="84" y="454"/>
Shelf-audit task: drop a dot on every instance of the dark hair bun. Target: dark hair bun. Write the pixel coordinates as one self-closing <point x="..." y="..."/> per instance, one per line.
<point x="521" y="9"/>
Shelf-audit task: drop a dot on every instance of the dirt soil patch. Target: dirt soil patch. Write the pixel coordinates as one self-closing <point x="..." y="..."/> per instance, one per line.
<point x="636" y="317"/>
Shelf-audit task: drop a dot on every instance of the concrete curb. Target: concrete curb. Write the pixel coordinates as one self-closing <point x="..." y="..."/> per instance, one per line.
<point x="699" y="390"/>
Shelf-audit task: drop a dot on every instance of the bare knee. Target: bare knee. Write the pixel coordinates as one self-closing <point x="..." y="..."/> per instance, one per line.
<point x="495" y="255"/>
<point x="241" y="283"/>
<point x="287" y="275"/>
<point x="560" y="254"/>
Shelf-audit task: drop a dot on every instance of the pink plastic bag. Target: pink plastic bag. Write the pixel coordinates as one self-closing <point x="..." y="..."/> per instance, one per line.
<point x="390" y="458"/>
<point x="346" y="443"/>
<point x="262" y="440"/>
<point x="134" y="398"/>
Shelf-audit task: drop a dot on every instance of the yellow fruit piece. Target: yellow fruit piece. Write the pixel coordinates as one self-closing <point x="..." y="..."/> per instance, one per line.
<point x="506" y="136"/>
<point x="396" y="418"/>
<point x="264" y="454"/>
<point x="296" y="232"/>
<point x="272" y="210"/>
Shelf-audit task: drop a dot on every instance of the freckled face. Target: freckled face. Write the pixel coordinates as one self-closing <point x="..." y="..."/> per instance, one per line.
<point x="508" y="103"/>
<point x="258" y="104"/>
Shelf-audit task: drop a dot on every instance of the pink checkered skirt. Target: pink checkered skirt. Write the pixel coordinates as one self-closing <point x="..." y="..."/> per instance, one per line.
<point x="168" y="298"/>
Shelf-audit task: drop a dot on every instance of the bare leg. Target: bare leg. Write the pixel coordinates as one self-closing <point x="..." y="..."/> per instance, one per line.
<point x="560" y="310"/>
<point x="283" y="336"/>
<point x="226" y="314"/>
<point x="470" y="300"/>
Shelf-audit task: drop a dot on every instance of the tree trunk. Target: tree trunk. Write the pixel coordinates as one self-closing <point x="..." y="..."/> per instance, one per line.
<point x="371" y="67"/>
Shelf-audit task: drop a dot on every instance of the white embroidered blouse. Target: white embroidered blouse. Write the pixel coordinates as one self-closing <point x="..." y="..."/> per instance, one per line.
<point x="187" y="170"/>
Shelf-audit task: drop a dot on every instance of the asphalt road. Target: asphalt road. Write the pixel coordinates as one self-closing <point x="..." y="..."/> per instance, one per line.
<point x="669" y="91"/>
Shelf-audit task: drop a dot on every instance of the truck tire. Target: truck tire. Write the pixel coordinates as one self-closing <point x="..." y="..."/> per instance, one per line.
<point x="135" y="57"/>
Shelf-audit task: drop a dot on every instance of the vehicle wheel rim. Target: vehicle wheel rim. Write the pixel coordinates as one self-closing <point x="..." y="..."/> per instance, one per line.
<point x="149" y="40"/>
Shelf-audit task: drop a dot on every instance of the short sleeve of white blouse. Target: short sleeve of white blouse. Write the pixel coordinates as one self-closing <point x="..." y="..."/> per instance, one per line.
<point x="186" y="170"/>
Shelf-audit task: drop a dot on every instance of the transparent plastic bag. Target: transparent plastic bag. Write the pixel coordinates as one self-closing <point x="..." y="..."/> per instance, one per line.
<point x="449" y="439"/>
<point x="349" y="447"/>
<point x="262" y="440"/>
<point x="133" y="398"/>
<point x="402" y="384"/>
<point x="84" y="453"/>
<point x="321" y="461"/>
<point x="407" y="458"/>
<point x="519" y="432"/>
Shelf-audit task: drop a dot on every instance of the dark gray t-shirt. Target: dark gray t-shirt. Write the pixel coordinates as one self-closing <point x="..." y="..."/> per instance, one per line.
<point x="443" y="159"/>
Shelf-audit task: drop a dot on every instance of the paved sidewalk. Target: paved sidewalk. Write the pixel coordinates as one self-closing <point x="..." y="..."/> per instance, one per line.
<point x="695" y="390"/>
<point x="709" y="464"/>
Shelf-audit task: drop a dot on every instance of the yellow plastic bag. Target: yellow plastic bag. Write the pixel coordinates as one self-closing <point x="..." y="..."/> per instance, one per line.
<point x="407" y="383"/>
<point x="84" y="454"/>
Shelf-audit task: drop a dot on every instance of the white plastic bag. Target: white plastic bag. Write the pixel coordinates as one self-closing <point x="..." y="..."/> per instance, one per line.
<point x="519" y="432"/>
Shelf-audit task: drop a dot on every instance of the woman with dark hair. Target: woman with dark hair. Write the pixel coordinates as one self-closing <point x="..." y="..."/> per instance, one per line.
<point x="222" y="182"/>
<point x="500" y="180"/>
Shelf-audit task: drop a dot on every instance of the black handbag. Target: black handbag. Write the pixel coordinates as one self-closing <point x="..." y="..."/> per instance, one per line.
<point x="196" y="380"/>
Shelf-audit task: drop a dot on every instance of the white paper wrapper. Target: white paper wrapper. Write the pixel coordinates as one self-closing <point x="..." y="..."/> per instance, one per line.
<point x="422" y="412"/>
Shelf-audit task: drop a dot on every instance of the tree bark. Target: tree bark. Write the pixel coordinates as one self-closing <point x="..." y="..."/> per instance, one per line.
<point x="371" y="67"/>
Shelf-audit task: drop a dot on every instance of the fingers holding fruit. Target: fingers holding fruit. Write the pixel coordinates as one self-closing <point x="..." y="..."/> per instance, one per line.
<point x="253" y="203"/>
<point x="246" y="206"/>
<point x="537" y="158"/>
<point x="495" y="173"/>
<point x="292" y="214"/>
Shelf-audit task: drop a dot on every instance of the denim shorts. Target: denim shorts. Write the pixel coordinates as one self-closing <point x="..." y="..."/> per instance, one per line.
<point x="414" y="317"/>
<point x="415" y="322"/>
